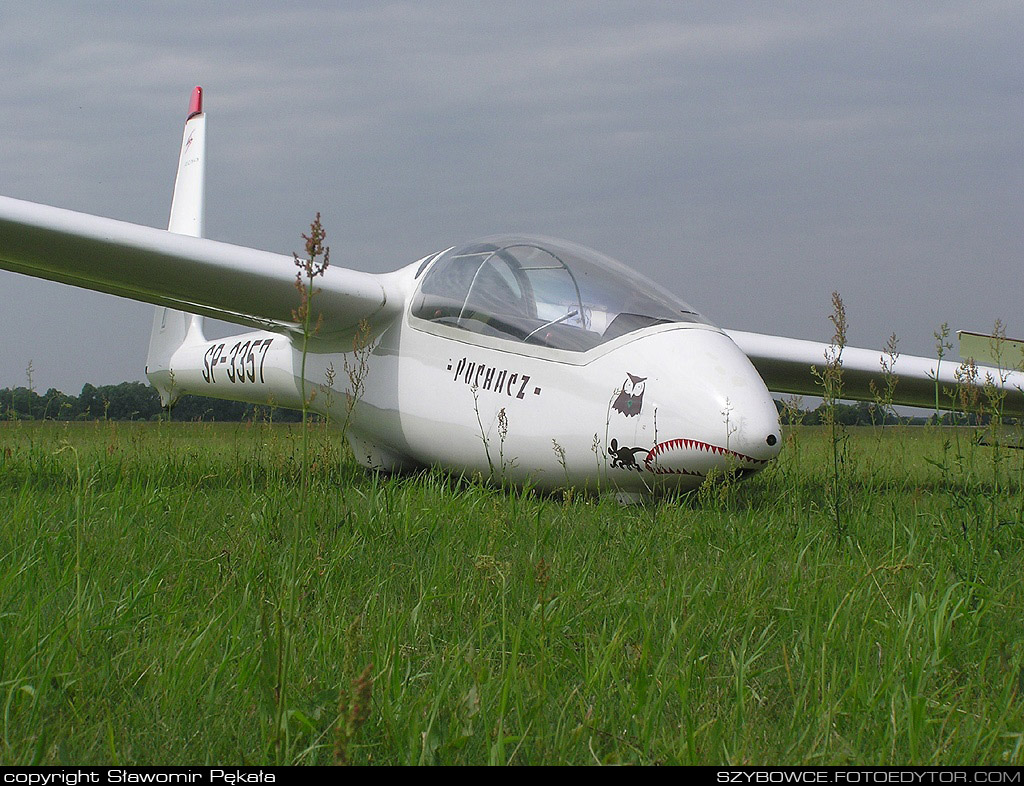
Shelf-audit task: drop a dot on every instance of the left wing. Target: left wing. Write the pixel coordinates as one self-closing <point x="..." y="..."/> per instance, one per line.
<point x="197" y="275"/>
<point x="785" y="365"/>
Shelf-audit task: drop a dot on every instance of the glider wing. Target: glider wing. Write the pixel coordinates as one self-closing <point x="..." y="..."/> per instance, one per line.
<point x="197" y="275"/>
<point x="787" y="365"/>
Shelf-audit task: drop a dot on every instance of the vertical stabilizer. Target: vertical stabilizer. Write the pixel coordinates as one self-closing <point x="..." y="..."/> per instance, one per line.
<point x="172" y="329"/>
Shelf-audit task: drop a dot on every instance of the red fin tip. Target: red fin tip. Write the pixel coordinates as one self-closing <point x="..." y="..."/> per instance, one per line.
<point x="195" y="104"/>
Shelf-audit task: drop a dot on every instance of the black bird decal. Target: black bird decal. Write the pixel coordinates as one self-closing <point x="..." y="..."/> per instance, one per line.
<point x="631" y="398"/>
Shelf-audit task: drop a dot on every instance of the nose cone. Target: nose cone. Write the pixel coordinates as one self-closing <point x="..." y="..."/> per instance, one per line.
<point x="706" y="407"/>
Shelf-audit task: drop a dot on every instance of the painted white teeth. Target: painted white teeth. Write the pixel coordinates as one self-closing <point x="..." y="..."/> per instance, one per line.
<point x="691" y="444"/>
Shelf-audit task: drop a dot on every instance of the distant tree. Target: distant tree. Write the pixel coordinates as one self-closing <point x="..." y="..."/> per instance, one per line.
<point x="20" y="403"/>
<point x="90" y="404"/>
<point x="57" y="406"/>
<point x="130" y="401"/>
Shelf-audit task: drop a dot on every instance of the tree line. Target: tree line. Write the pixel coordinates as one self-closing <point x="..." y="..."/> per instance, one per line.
<point x="866" y="413"/>
<point x="139" y="401"/>
<point x="128" y="401"/>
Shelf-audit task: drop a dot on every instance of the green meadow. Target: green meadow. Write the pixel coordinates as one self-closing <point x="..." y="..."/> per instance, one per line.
<point x="188" y="593"/>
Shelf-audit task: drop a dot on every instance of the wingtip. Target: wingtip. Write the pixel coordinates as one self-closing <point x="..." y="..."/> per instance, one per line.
<point x="195" y="104"/>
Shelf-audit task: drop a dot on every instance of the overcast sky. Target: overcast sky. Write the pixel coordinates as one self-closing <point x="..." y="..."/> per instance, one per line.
<point x="751" y="157"/>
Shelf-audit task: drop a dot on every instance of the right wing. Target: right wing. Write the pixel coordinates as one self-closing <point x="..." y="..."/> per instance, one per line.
<point x="197" y="275"/>
<point x="786" y="366"/>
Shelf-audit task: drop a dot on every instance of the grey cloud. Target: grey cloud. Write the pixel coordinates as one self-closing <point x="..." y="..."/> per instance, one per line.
<point x="750" y="158"/>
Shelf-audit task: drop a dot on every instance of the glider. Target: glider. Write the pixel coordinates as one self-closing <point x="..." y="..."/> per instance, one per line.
<point x="526" y="359"/>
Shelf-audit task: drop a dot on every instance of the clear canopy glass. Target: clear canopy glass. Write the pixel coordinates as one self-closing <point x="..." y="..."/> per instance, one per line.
<point x="543" y="292"/>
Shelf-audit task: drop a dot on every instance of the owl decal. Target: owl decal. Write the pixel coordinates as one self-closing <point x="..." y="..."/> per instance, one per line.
<point x="631" y="398"/>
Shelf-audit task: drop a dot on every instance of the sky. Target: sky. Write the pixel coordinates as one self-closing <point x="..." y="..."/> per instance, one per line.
<point x="750" y="157"/>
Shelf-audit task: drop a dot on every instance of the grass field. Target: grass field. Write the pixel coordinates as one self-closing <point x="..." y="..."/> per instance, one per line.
<point x="169" y="595"/>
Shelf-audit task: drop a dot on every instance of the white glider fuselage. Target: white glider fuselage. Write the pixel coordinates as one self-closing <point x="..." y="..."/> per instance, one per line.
<point x="437" y="395"/>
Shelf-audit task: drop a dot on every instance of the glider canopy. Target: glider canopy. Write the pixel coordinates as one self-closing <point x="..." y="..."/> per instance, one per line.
<point x="543" y="292"/>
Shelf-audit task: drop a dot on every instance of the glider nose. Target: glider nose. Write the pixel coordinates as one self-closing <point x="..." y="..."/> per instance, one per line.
<point x="750" y="417"/>
<point x="718" y="414"/>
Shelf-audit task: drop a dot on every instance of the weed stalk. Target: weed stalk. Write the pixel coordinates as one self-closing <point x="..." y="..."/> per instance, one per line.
<point x="312" y="267"/>
<point x="830" y="378"/>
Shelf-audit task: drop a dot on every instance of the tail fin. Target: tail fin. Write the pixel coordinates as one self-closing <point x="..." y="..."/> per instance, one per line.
<point x="994" y="350"/>
<point x="172" y="329"/>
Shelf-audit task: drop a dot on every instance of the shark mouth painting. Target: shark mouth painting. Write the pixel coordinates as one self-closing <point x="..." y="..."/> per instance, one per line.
<point x="693" y="457"/>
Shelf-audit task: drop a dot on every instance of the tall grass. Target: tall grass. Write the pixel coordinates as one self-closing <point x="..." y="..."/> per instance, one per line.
<point x="729" y="626"/>
<point x="830" y="379"/>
